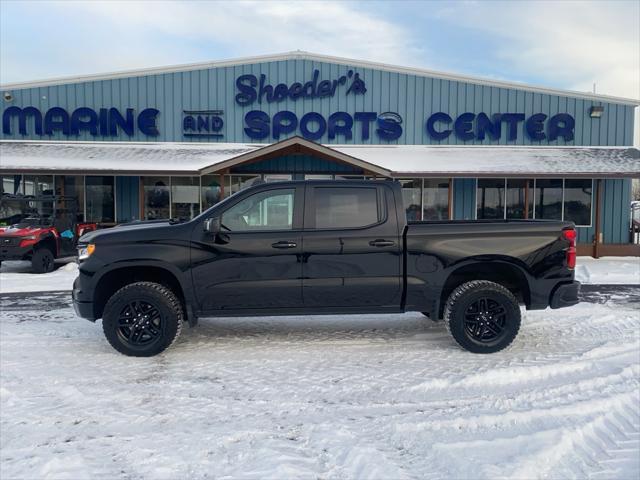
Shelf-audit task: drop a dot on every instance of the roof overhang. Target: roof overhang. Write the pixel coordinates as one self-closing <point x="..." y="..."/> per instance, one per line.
<point x="396" y="161"/>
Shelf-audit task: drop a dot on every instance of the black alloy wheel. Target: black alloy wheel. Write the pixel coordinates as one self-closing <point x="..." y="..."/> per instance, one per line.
<point x="485" y="319"/>
<point x="139" y="324"/>
<point x="482" y="316"/>
<point x="142" y="319"/>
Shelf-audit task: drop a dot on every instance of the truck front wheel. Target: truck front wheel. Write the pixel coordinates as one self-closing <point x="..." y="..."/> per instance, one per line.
<point x="482" y="316"/>
<point x="142" y="319"/>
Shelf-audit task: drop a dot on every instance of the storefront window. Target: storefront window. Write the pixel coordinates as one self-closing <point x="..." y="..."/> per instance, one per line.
<point x="519" y="201"/>
<point x="549" y="199"/>
<point x="38" y="184"/>
<point x="72" y="186"/>
<point x="411" y="191"/>
<point x="270" y="177"/>
<point x="577" y="201"/>
<point x="156" y="197"/>
<point x="185" y="198"/>
<point x="435" y="199"/>
<point x="349" y="177"/>
<point x="100" y="199"/>
<point x="11" y="184"/>
<point x="211" y="190"/>
<point x="319" y="176"/>
<point x="240" y="182"/>
<point x="490" y="198"/>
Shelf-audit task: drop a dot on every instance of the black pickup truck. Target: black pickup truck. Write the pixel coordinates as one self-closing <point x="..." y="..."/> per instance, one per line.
<point x="322" y="247"/>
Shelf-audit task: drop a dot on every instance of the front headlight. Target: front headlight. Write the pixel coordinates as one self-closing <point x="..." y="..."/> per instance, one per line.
<point x="85" y="251"/>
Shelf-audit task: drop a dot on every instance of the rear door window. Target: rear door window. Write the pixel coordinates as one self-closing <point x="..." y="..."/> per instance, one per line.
<point x="344" y="207"/>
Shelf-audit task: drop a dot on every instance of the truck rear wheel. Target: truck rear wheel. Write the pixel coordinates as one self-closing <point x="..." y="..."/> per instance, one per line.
<point x="42" y="261"/>
<point x="482" y="316"/>
<point x="142" y="319"/>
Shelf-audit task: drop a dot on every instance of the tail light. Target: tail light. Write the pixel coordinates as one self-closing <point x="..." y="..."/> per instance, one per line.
<point x="570" y="235"/>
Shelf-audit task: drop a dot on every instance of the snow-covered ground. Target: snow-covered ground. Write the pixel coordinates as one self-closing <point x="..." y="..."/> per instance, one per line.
<point x="608" y="270"/>
<point x="15" y="276"/>
<point x="372" y="396"/>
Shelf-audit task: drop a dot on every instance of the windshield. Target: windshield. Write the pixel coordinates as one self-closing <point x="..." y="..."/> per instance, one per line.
<point x="34" y="222"/>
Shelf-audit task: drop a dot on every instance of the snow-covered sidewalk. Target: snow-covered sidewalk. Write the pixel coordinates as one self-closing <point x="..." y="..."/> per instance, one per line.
<point x="15" y="276"/>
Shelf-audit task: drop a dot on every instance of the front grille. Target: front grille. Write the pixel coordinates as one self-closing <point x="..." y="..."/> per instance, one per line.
<point x="9" y="241"/>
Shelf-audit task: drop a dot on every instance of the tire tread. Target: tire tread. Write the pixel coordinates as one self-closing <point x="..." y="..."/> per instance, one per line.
<point x="174" y="305"/>
<point x="467" y="287"/>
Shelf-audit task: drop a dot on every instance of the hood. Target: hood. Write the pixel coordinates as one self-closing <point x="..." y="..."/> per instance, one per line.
<point x="134" y="231"/>
<point x="15" y="231"/>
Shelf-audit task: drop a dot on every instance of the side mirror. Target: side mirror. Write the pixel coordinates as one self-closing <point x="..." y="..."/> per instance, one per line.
<point x="212" y="225"/>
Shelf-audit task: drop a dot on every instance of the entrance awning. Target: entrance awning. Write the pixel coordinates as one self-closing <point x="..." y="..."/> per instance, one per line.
<point x="124" y="158"/>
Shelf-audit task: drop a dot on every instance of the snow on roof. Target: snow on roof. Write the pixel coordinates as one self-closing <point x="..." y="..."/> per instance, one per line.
<point x="499" y="160"/>
<point x="398" y="160"/>
<point x="302" y="55"/>
<point x="116" y="156"/>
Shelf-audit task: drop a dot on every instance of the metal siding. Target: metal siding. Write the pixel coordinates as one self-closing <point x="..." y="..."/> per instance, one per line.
<point x="628" y="125"/>
<point x="296" y="164"/>
<point x="127" y="198"/>
<point x="464" y="198"/>
<point x="616" y="205"/>
<point x="585" y="234"/>
<point x="413" y="97"/>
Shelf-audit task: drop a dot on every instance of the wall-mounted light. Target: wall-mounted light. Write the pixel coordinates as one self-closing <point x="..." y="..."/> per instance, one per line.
<point x="596" y="111"/>
<point x="7" y="96"/>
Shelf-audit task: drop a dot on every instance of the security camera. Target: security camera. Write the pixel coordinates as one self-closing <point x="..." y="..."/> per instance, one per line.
<point x="7" y="96"/>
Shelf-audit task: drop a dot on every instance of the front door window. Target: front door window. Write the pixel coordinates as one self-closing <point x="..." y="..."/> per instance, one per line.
<point x="270" y="210"/>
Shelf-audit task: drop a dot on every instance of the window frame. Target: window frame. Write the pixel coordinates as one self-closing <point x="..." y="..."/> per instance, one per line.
<point x="298" y="206"/>
<point x="534" y="198"/>
<point x="590" y="205"/>
<point x="423" y="180"/>
<point x="504" y="198"/>
<point x="310" y="204"/>
<point x="115" y="199"/>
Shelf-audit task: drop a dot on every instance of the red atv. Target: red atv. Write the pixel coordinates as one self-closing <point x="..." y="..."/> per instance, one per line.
<point x="39" y="229"/>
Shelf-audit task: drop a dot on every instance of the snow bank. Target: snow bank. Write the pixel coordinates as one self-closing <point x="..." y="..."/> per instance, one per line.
<point x="608" y="270"/>
<point x="16" y="277"/>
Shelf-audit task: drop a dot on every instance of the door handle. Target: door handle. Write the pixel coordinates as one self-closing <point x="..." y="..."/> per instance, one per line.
<point x="284" y="244"/>
<point x="381" y="243"/>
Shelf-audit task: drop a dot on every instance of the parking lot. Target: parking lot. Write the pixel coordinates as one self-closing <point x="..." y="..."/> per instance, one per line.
<point x="376" y="396"/>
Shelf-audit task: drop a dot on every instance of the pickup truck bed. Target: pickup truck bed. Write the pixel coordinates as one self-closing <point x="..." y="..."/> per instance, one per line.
<point x="322" y="247"/>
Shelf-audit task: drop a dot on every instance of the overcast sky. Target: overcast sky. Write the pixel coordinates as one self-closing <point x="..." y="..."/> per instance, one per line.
<point x="558" y="44"/>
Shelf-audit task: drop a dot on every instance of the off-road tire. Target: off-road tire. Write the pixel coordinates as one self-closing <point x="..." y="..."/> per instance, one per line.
<point x="42" y="261"/>
<point x="462" y="301"/>
<point x="170" y="312"/>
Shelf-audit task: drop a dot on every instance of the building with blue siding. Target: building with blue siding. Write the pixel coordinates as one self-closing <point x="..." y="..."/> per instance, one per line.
<point x="170" y="142"/>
